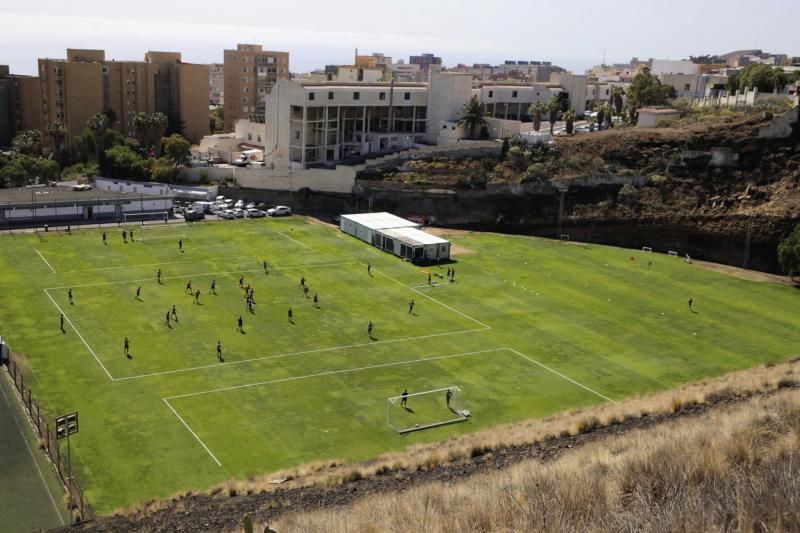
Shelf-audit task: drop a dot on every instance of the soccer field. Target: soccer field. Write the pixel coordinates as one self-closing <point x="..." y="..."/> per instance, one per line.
<point x="529" y="327"/>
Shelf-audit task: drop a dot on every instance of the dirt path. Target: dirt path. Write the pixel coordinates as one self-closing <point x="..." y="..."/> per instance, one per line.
<point x="743" y="273"/>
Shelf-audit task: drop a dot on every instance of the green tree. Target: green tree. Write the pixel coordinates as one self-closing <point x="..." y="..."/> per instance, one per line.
<point x="57" y="134"/>
<point x="217" y="118"/>
<point x="28" y="143"/>
<point x="535" y="111"/>
<point x="176" y="149"/>
<point x="473" y="116"/>
<point x="553" y="109"/>
<point x="732" y="85"/>
<point x="647" y="90"/>
<point x="97" y="125"/>
<point x="615" y="100"/>
<point x="789" y="253"/>
<point x="762" y="77"/>
<point x="601" y="115"/>
<point x="150" y="128"/>
<point x="569" y="118"/>
<point x="122" y="162"/>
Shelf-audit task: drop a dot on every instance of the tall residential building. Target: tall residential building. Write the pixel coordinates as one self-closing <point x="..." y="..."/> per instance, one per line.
<point x="216" y="84"/>
<point x="73" y="89"/>
<point x="425" y="61"/>
<point x="250" y="73"/>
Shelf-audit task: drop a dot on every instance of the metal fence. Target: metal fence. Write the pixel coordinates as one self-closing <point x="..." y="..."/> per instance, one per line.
<point x="45" y="428"/>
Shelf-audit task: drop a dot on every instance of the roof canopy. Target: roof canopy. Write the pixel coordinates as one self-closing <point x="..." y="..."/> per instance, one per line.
<point x="412" y="236"/>
<point x="380" y="220"/>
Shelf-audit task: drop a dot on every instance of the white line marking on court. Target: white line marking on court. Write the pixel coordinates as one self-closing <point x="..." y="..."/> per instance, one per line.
<point x="333" y="372"/>
<point x="127" y="266"/>
<point x="429" y="298"/>
<point x="33" y="458"/>
<point x="292" y="354"/>
<point x="562" y="375"/>
<point x="203" y="444"/>
<point x="45" y="260"/>
<point x="204" y="275"/>
<point x="80" y="337"/>
<point x="296" y="241"/>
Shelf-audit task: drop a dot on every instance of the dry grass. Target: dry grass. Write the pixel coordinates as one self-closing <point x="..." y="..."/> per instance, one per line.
<point x="731" y="469"/>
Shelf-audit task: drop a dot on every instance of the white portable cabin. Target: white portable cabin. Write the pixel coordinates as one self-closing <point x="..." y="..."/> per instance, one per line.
<point x="413" y="244"/>
<point x="364" y="225"/>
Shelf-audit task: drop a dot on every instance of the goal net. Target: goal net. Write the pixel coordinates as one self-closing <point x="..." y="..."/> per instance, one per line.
<point x="565" y="236"/>
<point x="425" y="410"/>
<point x="149" y="238"/>
<point x="142" y="217"/>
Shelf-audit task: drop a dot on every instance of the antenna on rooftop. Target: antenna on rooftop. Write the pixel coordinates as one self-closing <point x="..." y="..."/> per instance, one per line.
<point x="604" y="58"/>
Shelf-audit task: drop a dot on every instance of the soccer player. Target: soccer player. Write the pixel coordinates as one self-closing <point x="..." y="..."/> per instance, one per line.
<point x="452" y="274"/>
<point x="213" y="289"/>
<point x="429" y="278"/>
<point x="69" y="294"/>
<point x="126" y="347"/>
<point x="404" y="398"/>
<point x="305" y="291"/>
<point x="369" y="268"/>
<point x="168" y="319"/>
<point x="62" y="322"/>
<point x="240" y="327"/>
<point x="448" y="397"/>
<point x="316" y="300"/>
<point x="131" y="232"/>
<point x="302" y="281"/>
<point x="125" y="236"/>
<point x="138" y="292"/>
<point x="219" y="350"/>
<point x="241" y="281"/>
<point x="197" y="297"/>
<point x="370" y="327"/>
<point x="265" y="267"/>
<point x="448" y="273"/>
<point x="290" y="315"/>
<point x="158" y="275"/>
<point x="180" y="245"/>
<point x="188" y="287"/>
<point x="411" y="307"/>
<point x="690" y="303"/>
<point x="174" y="314"/>
<point x="104" y="238"/>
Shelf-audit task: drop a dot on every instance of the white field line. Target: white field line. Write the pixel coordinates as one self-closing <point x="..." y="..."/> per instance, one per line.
<point x="556" y="372"/>
<point x="332" y="373"/>
<point x="127" y="266"/>
<point x="45" y="260"/>
<point x="203" y="444"/>
<point x="426" y="286"/>
<point x="204" y="275"/>
<point x="296" y="241"/>
<point x="80" y="337"/>
<point x="430" y="298"/>
<point x="33" y="458"/>
<point x="292" y="354"/>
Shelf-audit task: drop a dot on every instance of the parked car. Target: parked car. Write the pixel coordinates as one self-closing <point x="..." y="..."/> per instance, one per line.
<point x="239" y="204"/>
<point x="191" y="215"/>
<point x="227" y="214"/>
<point x="279" y="211"/>
<point x="242" y="161"/>
<point x="257" y="164"/>
<point x="251" y="205"/>
<point x="255" y="213"/>
<point x="238" y="212"/>
<point x="214" y="161"/>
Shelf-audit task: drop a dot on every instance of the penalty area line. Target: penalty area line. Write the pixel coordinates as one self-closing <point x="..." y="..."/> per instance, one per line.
<point x="556" y="372"/>
<point x="203" y="444"/>
<point x="80" y="337"/>
<point x="296" y="241"/>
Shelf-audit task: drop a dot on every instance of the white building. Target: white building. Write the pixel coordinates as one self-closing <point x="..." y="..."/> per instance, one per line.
<point x="666" y="66"/>
<point x="364" y="225"/>
<point x="397" y="236"/>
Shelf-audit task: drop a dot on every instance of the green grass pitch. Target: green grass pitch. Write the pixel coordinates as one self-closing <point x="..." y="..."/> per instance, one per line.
<point x="530" y="327"/>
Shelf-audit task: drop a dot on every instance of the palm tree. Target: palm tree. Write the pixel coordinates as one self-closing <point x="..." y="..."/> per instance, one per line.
<point x="98" y="124"/>
<point x="602" y="111"/>
<point x="158" y="125"/>
<point x="535" y="111"/>
<point x="149" y="128"/>
<point x="553" y="108"/>
<point x="473" y="114"/>
<point x="58" y="136"/>
<point x="616" y="99"/>
<point x="569" y="117"/>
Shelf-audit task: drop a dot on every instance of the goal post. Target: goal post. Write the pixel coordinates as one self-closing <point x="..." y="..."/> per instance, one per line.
<point x="647" y="249"/>
<point x="141" y="217"/>
<point x="425" y="410"/>
<point x="565" y="237"/>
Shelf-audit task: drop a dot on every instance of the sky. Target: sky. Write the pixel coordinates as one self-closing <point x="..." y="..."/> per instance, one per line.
<point x="574" y="34"/>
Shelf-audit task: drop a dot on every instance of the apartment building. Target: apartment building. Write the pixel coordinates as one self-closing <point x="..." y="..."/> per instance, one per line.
<point x="20" y="105"/>
<point x="425" y="62"/>
<point x="250" y="72"/>
<point x="216" y="84"/>
<point x="318" y="123"/>
<point x="73" y="89"/>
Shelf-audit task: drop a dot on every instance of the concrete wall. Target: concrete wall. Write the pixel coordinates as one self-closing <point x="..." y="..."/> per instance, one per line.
<point x="666" y="66"/>
<point x="193" y="100"/>
<point x="781" y="127"/>
<point x="339" y="180"/>
<point x="109" y="184"/>
<point x="447" y="92"/>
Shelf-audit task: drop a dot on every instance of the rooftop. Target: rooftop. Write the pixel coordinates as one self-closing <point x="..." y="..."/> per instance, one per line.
<point x="413" y="236"/>
<point x="43" y="195"/>
<point x="380" y="220"/>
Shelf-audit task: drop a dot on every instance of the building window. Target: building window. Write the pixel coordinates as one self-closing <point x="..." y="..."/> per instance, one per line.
<point x="381" y="96"/>
<point x="491" y="94"/>
<point x="513" y="94"/>
<point x="356" y="96"/>
<point x="687" y="87"/>
<point x="311" y="96"/>
<point x="407" y="96"/>
<point x="297" y="135"/>
<point x="330" y="95"/>
<point x="444" y="126"/>
<point x="258" y="139"/>
<point x="249" y="136"/>
<point x="606" y="92"/>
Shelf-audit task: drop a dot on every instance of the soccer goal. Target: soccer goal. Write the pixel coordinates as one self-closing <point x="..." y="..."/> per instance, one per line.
<point x="565" y="236"/>
<point x="425" y="410"/>
<point x="647" y="249"/>
<point x="149" y="238"/>
<point x="672" y="253"/>
<point x="142" y="217"/>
